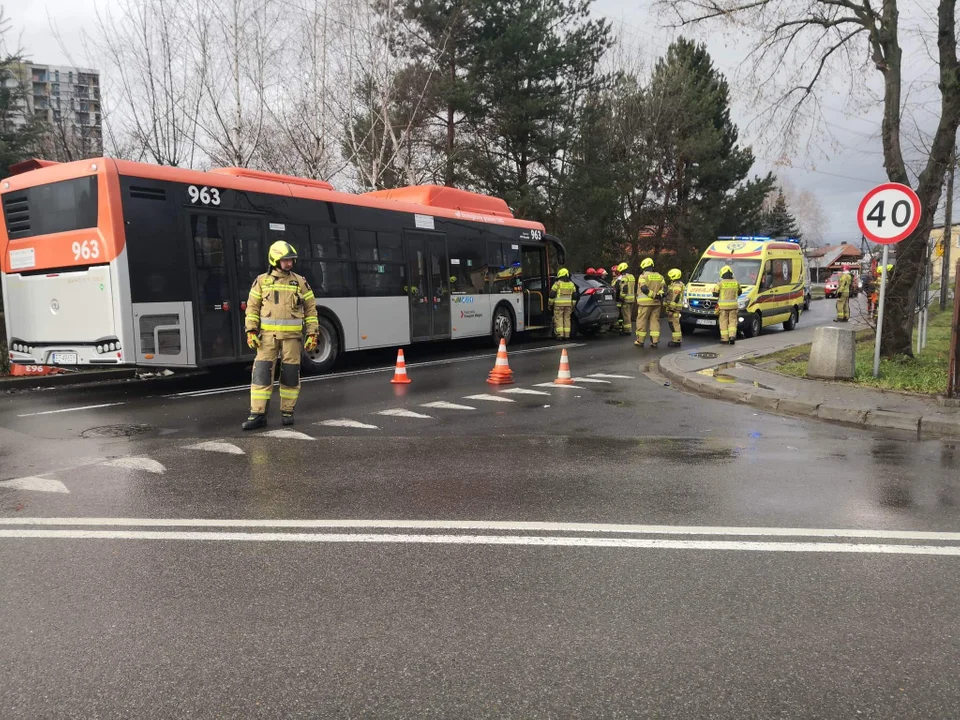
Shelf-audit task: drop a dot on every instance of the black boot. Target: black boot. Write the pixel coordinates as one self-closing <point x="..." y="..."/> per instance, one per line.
<point x="286" y="419"/>
<point x="674" y="343"/>
<point x="654" y="345"/>
<point x="255" y="421"/>
<point x="733" y="341"/>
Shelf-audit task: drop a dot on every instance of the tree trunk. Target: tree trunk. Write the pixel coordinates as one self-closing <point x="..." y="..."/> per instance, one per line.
<point x="448" y="173"/>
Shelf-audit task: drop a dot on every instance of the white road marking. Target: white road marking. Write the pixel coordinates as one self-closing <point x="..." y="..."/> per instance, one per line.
<point x="530" y="540"/>
<point x="344" y="422"/>
<point x="440" y="405"/>
<point x="400" y="412"/>
<point x="137" y="463"/>
<point x="550" y="384"/>
<point x="590" y="380"/>
<point x="611" y="377"/>
<point x="73" y="409"/>
<point x="37" y="484"/>
<point x="494" y="525"/>
<point x="524" y="391"/>
<point x="220" y="447"/>
<point x="487" y="397"/>
<point x="286" y="434"/>
<point x="371" y="371"/>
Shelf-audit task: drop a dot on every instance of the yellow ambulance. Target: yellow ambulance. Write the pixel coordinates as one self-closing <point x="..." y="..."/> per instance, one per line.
<point x="770" y="273"/>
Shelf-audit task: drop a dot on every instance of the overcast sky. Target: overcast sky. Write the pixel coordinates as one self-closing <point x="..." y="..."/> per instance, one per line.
<point x="838" y="169"/>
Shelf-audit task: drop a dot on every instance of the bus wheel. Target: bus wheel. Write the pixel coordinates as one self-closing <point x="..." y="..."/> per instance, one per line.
<point x="327" y="351"/>
<point x="502" y="325"/>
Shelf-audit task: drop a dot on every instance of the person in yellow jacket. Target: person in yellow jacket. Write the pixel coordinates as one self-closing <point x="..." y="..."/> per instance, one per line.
<point x="626" y="285"/>
<point x="843" y="297"/>
<point x="280" y="307"/>
<point x="728" y="295"/>
<point x="674" y="301"/>
<point x="650" y="289"/>
<point x="563" y="298"/>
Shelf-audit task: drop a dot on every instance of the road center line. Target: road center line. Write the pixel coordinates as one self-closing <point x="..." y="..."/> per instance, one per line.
<point x="73" y="409"/>
<point x="485" y="525"/>
<point x="538" y="541"/>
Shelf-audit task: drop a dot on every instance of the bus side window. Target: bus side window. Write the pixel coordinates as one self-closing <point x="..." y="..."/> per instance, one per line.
<point x="467" y="274"/>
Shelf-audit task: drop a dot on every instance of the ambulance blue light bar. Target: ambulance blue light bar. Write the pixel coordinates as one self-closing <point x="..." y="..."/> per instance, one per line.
<point x="760" y="238"/>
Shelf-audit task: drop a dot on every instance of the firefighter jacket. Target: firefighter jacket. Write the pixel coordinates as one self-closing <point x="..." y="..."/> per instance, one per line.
<point x="626" y="288"/>
<point x="563" y="294"/>
<point x="675" y="296"/>
<point x="281" y="303"/>
<point x="843" y="286"/>
<point x="650" y="288"/>
<point x="728" y="292"/>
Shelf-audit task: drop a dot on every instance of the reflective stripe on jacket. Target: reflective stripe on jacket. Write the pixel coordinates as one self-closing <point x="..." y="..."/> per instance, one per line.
<point x="626" y="284"/>
<point x="728" y="291"/>
<point x="675" y="296"/>
<point x="562" y="293"/>
<point x="281" y="303"/>
<point x="843" y="287"/>
<point x="653" y="282"/>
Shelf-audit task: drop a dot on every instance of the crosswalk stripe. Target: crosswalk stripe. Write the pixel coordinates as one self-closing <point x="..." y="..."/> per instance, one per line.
<point x="220" y="447"/>
<point x="286" y="434"/>
<point x="137" y="463"/>
<point x="590" y="380"/>
<point x="524" y="391"/>
<point x="611" y="377"/>
<point x="400" y="412"/>
<point x="37" y="484"/>
<point x="550" y="384"/>
<point x="488" y="398"/>
<point x="440" y="405"/>
<point x="344" y="422"/>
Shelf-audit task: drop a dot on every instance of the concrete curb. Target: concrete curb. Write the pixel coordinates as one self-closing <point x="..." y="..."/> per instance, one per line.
<point x="933" y="425"/>
<point x="78" y="378"/>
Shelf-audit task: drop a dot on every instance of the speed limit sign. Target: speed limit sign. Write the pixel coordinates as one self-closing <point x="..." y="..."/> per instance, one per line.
<point x="889" y="213"/>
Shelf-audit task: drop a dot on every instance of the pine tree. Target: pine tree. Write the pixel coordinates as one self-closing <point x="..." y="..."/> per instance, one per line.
<point x="778" y="222"/>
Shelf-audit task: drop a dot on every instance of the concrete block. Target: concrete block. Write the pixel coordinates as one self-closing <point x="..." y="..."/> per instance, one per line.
<point x="940" y="425"/>
<point x="798" y="407"/>
<point x="893" y="420"/>
<point x="764" y="402"/>
<point x="834" y="354"/>
<point x="842" y="414"/>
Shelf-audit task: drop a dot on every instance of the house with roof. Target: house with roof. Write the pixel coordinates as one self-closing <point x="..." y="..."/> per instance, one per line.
<point x="824" y="261"/>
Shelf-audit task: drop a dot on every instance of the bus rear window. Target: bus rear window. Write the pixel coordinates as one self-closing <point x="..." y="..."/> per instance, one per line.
<point x="52" y="208"/>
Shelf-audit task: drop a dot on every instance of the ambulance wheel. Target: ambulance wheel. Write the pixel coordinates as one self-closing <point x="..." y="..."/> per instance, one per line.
<point x="792" y="322"/>
<point x="327" y="352"/>
<point x="752" y="326"/>
<point x="687" y="328"/>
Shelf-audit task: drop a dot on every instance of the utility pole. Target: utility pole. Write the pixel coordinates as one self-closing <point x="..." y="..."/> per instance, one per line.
<point x="947" y="234"/>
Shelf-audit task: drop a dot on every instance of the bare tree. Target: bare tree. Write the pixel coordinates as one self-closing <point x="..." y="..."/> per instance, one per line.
<point x="151" y="103"/>
<point x="801" y="45"/>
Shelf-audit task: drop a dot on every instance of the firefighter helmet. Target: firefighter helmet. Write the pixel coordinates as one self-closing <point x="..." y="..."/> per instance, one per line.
<point x="647" y="263"/>
<point x="726" y="269"/>
<point x="622" y="267"/>
<point x="281" y="250"/>
<point x="562" y="273"/>
<point x="590" y="271"/>
<point x="674" y="274"/>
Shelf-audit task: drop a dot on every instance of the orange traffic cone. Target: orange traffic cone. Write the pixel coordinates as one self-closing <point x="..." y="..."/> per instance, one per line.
<point x="400" y="374"/>
<point x="501" y="373"/>
<point x="563" y="376"/>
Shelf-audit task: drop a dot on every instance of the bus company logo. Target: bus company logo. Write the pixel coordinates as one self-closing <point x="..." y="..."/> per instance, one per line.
<point x="463" y="300"/>
<point x="468" y="314"/>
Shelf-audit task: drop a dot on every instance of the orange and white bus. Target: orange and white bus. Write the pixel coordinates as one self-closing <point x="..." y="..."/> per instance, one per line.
<point x="107" y="262"/>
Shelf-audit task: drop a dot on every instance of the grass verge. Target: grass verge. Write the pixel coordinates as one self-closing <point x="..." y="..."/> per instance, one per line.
<point x="925" y="373"/>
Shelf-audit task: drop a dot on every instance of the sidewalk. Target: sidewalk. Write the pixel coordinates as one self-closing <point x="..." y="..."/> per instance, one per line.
<point x="716" y="371"/>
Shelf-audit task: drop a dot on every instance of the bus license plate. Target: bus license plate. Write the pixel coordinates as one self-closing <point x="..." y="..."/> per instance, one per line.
<point x="702" y="321"/>
<point x="64" y="358"/>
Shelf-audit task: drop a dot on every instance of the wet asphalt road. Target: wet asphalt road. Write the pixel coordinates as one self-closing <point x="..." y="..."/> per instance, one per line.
<point x="280" y="614"/>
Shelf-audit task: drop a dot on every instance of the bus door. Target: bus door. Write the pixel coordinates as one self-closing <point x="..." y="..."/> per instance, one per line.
<point x="428" y="285"/>
<point x="533" y="262"/>
<point x="227" y="250"/>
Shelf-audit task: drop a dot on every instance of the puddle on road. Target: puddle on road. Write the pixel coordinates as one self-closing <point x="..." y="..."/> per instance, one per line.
<point x="718" y="374"/>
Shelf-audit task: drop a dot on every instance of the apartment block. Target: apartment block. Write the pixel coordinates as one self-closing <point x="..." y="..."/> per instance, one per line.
<point x="68" y="98"/>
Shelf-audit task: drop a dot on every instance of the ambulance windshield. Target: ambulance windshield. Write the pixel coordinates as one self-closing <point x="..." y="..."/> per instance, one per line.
<point x="708" y="271"/>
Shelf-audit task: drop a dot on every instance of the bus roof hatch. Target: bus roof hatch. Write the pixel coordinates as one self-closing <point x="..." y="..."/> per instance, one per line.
<point x="447" y="198"/>
<point x="272" y="177"/>
<point x="28" y="165"/>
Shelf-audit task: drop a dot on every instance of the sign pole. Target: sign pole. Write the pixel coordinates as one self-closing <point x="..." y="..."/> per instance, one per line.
<point x="883" y="292"/>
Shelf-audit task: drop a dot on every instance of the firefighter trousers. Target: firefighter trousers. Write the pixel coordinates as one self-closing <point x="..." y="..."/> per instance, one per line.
<point x="648" y="321"/>
<point x="626" y="318"/>
<point x="561" y="320"/>
<point x="843" y="307"/>
<point x="287" y="350"/>
<point x="728" y="324"/>
<point x="674" y="317"/>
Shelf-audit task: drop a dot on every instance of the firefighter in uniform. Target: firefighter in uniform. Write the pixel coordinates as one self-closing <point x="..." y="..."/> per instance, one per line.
<point x="674" y="303"/>
<point x="626" y="285"/>
<point x="615" y="284"/>
<point x="727" y="294"/>
<point x="280" y="307"/>
<point x="843" y="297"/>
<point x="650" y="286"/>
<point x="870" y="290"/>
<point x="563" y="297"/>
